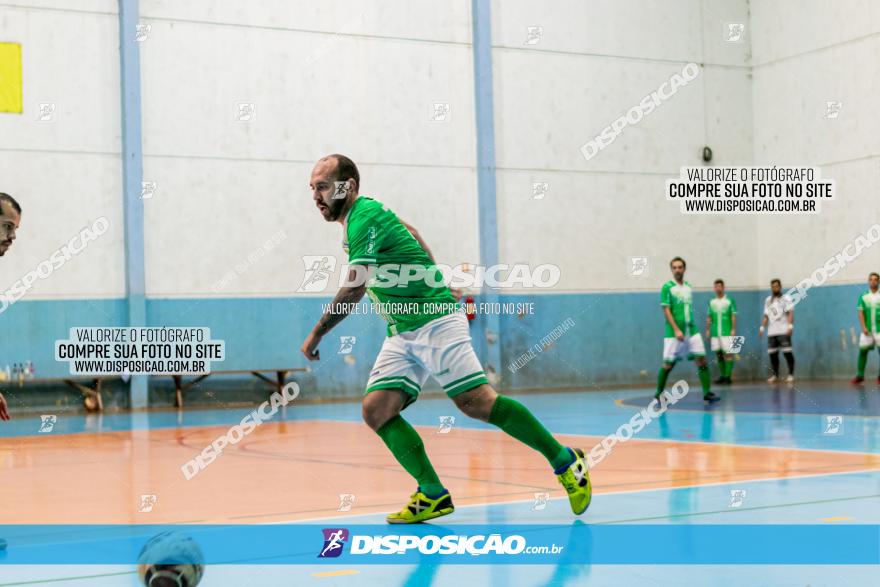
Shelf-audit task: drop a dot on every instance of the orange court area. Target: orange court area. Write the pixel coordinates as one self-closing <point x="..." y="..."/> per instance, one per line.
<point x="294" y="471"/>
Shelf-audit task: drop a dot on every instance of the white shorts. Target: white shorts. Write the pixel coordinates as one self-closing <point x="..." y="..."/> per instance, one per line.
<point x="441" y="349"/>
<point x="721" y="343"/>
<point x="676" y="350"/>
<point x="868" y="341"/>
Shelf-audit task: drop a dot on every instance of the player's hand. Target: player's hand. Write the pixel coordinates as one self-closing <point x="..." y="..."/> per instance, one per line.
<point x="456" y="293"/>
<point x="679" y="335"/>
<point x="760" y="332"/>
<point x="865" y="332"/>
<point x="4" y="412"/>
<point x="310" y="347"/>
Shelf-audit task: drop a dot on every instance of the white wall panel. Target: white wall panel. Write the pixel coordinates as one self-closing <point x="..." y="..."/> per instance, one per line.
<point x="785" y="28"/>
<point x="60" y="194"/>
<point x="208" y="216"/>
<point x="225" y="185"/>
<point x="65" y="172"/>
<point x="71" y="60"/>
<point x="410" y="19"/>
<point x="590" y="225"/>
<point x="651" y="29"/>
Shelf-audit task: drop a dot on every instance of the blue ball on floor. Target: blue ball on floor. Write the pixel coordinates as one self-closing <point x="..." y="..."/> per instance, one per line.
<point x="171" y="559"/>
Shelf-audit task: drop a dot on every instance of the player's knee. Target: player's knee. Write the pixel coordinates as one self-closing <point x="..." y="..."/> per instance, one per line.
<point x="374" y="416"/>
<point x="376" y="413"/>
<point x="368" y="413"/>
<point x="477" y="403"/>
<point x="471" y="407"/>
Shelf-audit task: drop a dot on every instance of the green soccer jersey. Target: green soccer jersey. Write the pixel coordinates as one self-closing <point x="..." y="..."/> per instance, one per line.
<point x="375" y="236"/>
<point x="869" y="303"/>
<point x="721" y="312"/>
<point x="679" y="299"/>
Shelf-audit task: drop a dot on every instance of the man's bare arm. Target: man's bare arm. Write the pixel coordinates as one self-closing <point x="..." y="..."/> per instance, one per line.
<point x="342" y="305"/>
<point x="419" y="238"/>
<point x="456" y="292"/>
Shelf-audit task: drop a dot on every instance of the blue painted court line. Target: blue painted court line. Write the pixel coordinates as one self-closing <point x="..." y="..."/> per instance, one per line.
<point x="773" y="501"/>
<point x="575" y="542"/>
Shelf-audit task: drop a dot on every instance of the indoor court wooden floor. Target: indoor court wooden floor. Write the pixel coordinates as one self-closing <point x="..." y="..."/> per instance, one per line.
<point x="766" y="444"/>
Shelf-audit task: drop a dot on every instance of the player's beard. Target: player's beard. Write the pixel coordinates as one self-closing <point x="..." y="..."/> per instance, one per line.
<point x="333" y="210"/>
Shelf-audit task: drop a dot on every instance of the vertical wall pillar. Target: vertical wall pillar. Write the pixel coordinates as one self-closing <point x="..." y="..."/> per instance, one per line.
<point x="488" y="324"/>
<point x="132" y="178"/>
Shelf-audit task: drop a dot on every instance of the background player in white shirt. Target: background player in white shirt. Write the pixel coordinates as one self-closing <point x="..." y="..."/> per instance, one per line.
<point x="778" y="320"/>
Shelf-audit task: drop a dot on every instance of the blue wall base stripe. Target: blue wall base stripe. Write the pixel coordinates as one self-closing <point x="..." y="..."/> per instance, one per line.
<point x="616" y="338"/>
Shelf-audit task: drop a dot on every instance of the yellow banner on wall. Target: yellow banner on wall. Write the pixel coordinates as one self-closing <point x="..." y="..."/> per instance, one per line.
<point x="10" y="77"/>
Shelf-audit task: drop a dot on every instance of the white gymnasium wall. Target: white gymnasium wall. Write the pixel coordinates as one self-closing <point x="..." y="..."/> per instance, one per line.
<point x="595" y="61"/>
<point x="806" y="53"/>
<point x="65" y="173"/>
<point x="338" y="76"/>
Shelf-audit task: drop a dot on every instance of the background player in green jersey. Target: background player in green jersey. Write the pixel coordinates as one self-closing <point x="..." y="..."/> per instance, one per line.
<point x="868" y="309"/>
<point x="682" y="337"/>
<point x="432" y="341"/>
<point x="720" y="330"/>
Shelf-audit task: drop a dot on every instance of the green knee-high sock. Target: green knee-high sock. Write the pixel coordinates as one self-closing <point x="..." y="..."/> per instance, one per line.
<point x="705" y="378"/>
<point x="516" y="420"/>
<point x="722" y="365"/>
<point x="863" y="360"/>
<point x="407" y="447"/>
<point x="729" y="365"/>
<point x="662" y="376"/>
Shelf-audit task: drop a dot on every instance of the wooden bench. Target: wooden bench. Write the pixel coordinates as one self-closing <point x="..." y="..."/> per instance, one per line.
<point x="277" y="384"/>
<point x="91" y="394"/>
<point x="90" y="385"/>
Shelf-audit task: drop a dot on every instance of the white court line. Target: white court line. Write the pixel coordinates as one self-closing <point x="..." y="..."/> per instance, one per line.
<point x="598" y="436"/>
<point x="693" y="410"/>
<point x="731" y="444"/>
<point x="622" y="492"/>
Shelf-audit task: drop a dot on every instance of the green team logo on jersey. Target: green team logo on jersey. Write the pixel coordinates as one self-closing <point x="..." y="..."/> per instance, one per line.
<point x="679" y="298"/>
<point x="721" y="311"/>
<point x="869" y="304"/>
<point x="372" y="234"/>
